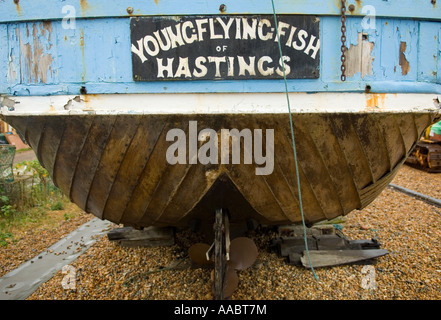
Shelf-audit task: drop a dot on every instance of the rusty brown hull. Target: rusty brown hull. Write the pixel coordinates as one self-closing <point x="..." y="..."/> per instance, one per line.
<point x="114" y="166"/>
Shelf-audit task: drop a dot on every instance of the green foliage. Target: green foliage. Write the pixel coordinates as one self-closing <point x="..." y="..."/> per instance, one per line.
<point x="39" y="171"/>
<point x="4" y="199"/>
<point x="7" y="210"/>
<point x="43" y="190"/>
<point x="57" y="206"/>
<point x="3" y="238"/>
<point x="27" y="199"/>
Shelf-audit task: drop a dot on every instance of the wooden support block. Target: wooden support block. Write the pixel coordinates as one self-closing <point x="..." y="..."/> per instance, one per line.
<point x="364" y="244"/>
<point x="148" y="237"/>
<point x="147" y="243"/>
<point x="326" y="250"/>
<point x="328" y="258"/>
<point x="325" y="229"/>
<point x="296" y="244"/>
<point x="294" y="258"/>
<point x="296" y="230"/>
<point x="331" y="241"/>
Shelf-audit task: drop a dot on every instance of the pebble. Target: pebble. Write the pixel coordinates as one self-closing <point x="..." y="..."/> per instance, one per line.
<point x="408" y="228"/>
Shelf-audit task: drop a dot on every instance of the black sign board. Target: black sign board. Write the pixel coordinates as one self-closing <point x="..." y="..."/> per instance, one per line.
<point x="224" y="47"/>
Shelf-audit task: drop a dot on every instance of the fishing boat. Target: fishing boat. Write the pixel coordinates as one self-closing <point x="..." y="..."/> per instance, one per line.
<point x="95" y="89"/>
<point x="157" y="113"/>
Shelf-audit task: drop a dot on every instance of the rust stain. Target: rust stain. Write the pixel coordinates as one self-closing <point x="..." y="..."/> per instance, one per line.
<point x="157" y="2"/>
<point x="89" y="97"/>
<point x="82" y="38"/>
<point x="84" y="5"/>
<point x="86" y="100"/>
<point x="375" y="100"/>
<point x="405" y="67"/>
<point x="354" y="9"/>
<point x="17" y="7"/>
<point x="83" y="58"/>
<point x="89" y="101"/>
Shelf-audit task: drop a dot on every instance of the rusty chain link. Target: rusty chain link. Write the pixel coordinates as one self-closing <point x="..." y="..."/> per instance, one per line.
<point x="343" y="40"/>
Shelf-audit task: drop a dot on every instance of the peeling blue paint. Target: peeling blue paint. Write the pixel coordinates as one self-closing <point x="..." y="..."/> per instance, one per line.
<point x="429" y="68"/>
<point x="5" y="78"/>
<point x="96" y="54"/>
<point x="393" y="32"/>
<point x="33" y="10"/>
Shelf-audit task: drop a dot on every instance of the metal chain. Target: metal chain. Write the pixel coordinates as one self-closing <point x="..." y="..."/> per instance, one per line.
<point x="343" y="40"/>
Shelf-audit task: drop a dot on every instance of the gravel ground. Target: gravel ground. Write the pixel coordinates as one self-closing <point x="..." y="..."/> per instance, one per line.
<point x="408" y="228"/>
<point x="29" y="243"/>
<point x="420" y="181"/>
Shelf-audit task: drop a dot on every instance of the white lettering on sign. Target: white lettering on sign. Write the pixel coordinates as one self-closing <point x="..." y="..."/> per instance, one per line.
<point x="229" y="62"/>
<point x="265" y="66"/>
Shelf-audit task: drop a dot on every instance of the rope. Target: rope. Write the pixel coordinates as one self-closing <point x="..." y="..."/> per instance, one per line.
<point x="293" y="141"/>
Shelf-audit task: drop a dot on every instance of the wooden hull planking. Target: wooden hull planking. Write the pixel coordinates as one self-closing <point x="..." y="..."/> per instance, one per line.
<point x="115" y="167"/>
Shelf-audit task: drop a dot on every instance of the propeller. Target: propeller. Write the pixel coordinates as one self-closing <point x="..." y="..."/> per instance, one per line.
<point x="231" y="281"/>
<point x="242" y="255"/>
<point x="198" y="254"/>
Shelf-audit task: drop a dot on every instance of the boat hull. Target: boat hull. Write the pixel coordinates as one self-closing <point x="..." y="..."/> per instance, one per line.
<point x="115" y="165"/>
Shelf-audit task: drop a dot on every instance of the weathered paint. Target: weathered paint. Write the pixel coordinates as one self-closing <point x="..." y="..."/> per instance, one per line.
<point x="213" y="103"/>
<point x="403" y="55"/>
<point x="30" y="54"/>
<point x="429" y="69"/>
<point x="375" y="101"/>
<point x="383" y="49"/>
<point x="84" y="5"/>
<point x="33" y="10"/>
<point x="393" y="35"/>
<point x="83" y="58"/>
<point x="358" y="57"/>
<point x="18" y="8"/>
<point x="404" y="64"/>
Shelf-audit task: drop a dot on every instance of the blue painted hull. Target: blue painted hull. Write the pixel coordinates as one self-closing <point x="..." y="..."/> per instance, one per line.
<point x="60" y="56"/>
